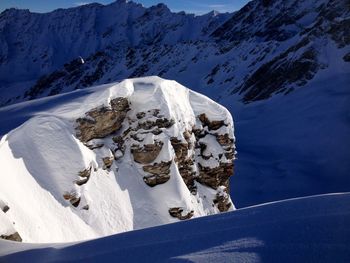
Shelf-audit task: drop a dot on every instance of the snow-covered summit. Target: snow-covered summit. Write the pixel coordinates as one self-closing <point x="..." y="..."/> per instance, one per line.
<point x="128" y="155"/>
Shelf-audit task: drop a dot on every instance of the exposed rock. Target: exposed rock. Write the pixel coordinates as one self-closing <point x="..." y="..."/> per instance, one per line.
<point x="160" y="123"/>
<point x="120" y="143"/>
<point x="154" y="180"/>
<point x="108" y="161"/>
<point x="73" y="198"/>
<point x="158" y="168"/>
<point x="185" y="163"/>
<point x="84" y="176"/>
<point x="224" y="140"/>
<point x="178" y="213"/>
<point x="14" y="237"/>
<point x="215" y="177"/>
<point x="85" y="173"/>
<point x="222" y="202"/>
<point x="102" y="121"/>
<point x="212" y="125"/>
<point x="94" y="146"/>
<point x="85" y="207"/>
<point x="146" y="154"/>
<point x="5" y="208"/>
<point x="180" y="148"/>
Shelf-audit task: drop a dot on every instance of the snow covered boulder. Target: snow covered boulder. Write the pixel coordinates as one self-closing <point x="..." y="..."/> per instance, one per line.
<point x="136" y="154"/>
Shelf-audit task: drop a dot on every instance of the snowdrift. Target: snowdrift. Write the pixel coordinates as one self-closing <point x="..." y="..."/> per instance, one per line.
<point x="313" y="229"/>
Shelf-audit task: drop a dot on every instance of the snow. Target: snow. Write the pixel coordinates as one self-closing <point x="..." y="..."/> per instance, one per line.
<point x="313" y="229"/>
<point x="41" y="158"/>
<point x="6" y="228"/>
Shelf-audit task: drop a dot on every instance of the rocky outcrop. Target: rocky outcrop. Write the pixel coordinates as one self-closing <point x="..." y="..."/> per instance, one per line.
<point x="84" y="176"/>
<point x="107" y="161"/>
<point x="102" y="121"/>
<point x="147" y="153"/>
<point x="3" y="206"/>
<point x="13" y="237"/>
<point x="222" y="200"/>
<point x="185" y="162"/>
<point x="180" y="213"/>
<point x="202" y="153"/>
<point x="215" y="166"/>
<point x="72" y="197"/>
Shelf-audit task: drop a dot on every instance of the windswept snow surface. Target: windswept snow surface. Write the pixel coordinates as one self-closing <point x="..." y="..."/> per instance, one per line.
<point x="40" y="161"/>
<point x="313" y="229"/>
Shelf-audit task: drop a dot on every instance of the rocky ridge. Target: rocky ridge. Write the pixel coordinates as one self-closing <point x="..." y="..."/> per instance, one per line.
<point x="264" y="49"/>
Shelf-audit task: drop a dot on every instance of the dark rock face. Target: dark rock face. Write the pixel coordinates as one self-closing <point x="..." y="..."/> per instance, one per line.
<point x="108" y="161"/>
<point x="156" y="179"/>
<point x="146" y="154"/>
<point x="13" y="237"/>
<point x="222" y="202"/>
<point x="178" y="213"/>
<point x="102" y="121"/>
<point x="185" y="163"/>
<point x="212" y="125"/>
<point x="275" y="75"/>
<point x="72" y="197"/>
<point x="216" y="177"/>
<point x="162" y="168"/>
<point x="84" y="177"/>
<point x="5" y="208"/>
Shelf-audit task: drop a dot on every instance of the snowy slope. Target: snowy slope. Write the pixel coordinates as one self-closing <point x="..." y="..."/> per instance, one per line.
<point x="314" y="229"/>
<point x="116" y="158"/>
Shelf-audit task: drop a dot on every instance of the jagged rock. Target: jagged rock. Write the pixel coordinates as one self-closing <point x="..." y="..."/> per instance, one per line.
<point x="160" y="123"/>
<point x="108" y="161"/>
<point x="185" y="163"/>
<point x="217" y="176"/>
<point x="13" y="237"/>
<point x="86" y="172"/>
<point x="180" y="148"/>
<point x="178" y="213"/>
<point x="212" y="125"/>
<point x="102" y="121"/>
<point x="120" y="144"/>
<point x="222" y="202"/>
<point x="154" y="180"/>
<point x="5" y="208"/>
<point x="146" y="154"/>
<point x="224" y="140"/>
<point x="158" y="168"/>
<point x="94" y="146"/>
<point x="85" y="176"/>
<point x="73" y="198"/>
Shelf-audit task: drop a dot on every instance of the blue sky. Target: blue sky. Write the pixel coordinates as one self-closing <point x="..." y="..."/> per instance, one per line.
<point x="191" y="6"/>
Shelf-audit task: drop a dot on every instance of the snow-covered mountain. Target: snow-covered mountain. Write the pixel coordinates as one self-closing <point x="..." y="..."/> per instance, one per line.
<point x="119" y="157"/>
<point x="281" y="67"/>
